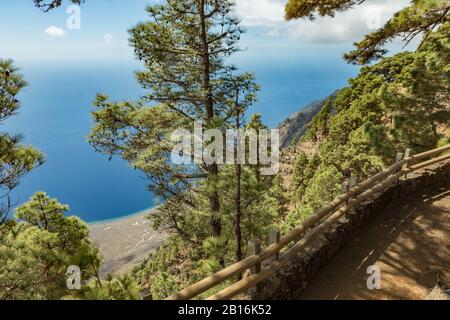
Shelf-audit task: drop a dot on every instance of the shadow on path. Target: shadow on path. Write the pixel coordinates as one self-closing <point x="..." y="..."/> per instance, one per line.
<point x="409" y="241"/>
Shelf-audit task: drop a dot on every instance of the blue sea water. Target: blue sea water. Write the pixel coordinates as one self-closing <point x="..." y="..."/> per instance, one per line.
<point x="55" y="117"/>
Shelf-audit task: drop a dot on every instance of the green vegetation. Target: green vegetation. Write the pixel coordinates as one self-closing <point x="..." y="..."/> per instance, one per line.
<point x="111" y="288"/>
<point x="212" y="210"/>
<point x="420" y="17"/>
<point x="318" y="127"/>
<point x="16" y="160"/>
<point x="400" y="102"/>
<point x="37" y="248"/>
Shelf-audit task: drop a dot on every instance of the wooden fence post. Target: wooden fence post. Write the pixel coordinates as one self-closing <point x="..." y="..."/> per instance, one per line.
<point x="405" y="167"/>
<point x="274" y="237"/>
<point x="344" y="187"/>
<point x="353" y="182"/>
<point x="398" y="158"/>
<point x="254" y="247"/>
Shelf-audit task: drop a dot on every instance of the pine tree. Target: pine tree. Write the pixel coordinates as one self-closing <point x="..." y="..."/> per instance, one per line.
<point x="48" y="214"/>
<point x="255" y="124"/>
<point x="37" y="248"/>
<point x="47" y="5"/>
<point x="318" y="127"/>
<point x="16" y="160"/>
<point x="298" y="181"/>
<point x="183" y="47"/>
<point x="421" y="17"/>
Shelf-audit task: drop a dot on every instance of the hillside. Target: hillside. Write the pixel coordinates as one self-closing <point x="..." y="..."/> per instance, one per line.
<point x="294" y="127"/>
<point x="398" y="103"/>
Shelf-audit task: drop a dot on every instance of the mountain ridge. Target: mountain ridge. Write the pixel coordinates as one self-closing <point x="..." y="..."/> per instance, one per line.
<point x="295" y="126"/>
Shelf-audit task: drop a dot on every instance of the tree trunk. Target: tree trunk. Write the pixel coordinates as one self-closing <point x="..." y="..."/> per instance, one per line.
<point x="238" y="214"/>
<point x="237" y="222"/>
<point x="213" y="170"/>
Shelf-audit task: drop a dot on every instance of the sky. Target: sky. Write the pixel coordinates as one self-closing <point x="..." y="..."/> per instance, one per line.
<point x="26" y="34"/>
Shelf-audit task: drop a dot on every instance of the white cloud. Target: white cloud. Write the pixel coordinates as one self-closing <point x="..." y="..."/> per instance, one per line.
<point x="108" y="38"/>
<point x="347" y="26"/>
<point x="55" y="32"/>
<point x="260" y="12"/>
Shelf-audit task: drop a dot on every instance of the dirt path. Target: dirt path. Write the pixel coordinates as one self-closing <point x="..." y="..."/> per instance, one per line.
<point x="409" y="241"/>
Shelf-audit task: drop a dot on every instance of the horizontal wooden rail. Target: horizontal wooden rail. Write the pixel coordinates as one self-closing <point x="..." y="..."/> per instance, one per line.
<point x="429" y="163"/>
<point x="253" y="280"/>
<point x="325" y="217"/>
<point x="428" y="154"/>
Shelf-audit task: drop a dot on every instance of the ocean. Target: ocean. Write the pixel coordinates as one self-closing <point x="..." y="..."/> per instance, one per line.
<point x="55" y="118"/>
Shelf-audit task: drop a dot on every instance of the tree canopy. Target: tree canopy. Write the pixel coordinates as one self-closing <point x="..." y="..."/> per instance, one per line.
<point x="419" y="18"/>
<point x="400" y="102"/>
<point x="183" y="46"/>
<point x="16" y="160"/>
<point x="38" y="246"/>
<point x="47" y="5"/>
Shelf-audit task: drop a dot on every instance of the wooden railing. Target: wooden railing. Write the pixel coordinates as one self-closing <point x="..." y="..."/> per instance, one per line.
<point x="316" y="224"/>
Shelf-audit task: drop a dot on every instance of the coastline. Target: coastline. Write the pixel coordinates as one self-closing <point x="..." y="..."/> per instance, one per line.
<point x="127" y="216"/>
<point x="126" y="241"/>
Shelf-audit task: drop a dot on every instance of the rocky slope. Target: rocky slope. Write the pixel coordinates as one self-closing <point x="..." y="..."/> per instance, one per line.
<point x="294" y="127"/>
